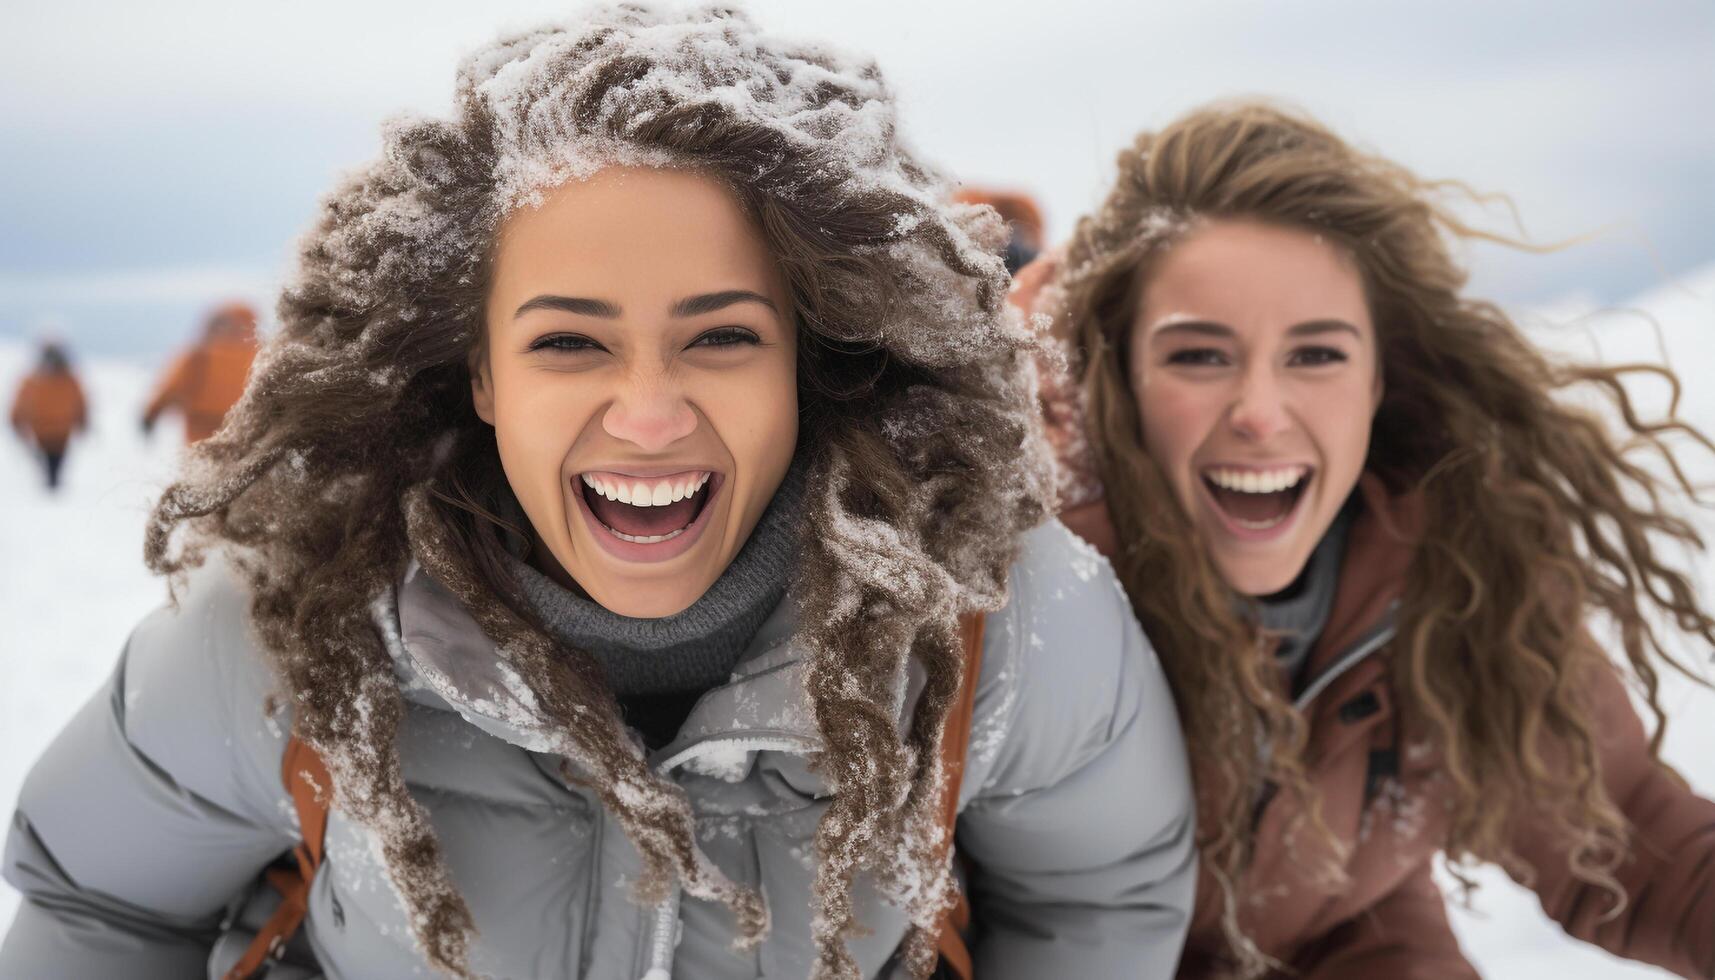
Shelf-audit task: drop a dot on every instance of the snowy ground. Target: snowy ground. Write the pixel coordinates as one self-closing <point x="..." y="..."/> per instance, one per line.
<point x="72" y="585"/>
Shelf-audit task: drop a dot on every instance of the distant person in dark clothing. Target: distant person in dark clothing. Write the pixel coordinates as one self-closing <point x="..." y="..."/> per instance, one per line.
<point x="207" y="380"/>
<point x="49" y="408"/>
<point x="1022" y="216"/>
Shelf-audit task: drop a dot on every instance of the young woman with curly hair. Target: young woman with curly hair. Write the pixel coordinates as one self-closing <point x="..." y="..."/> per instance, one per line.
<point x="603" y="515"/>
<point x="1383" y="560"/>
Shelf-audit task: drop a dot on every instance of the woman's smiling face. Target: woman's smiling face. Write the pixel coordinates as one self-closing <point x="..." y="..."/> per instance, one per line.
<point x="640" y="372"/>
<point x="1254" y="362"/>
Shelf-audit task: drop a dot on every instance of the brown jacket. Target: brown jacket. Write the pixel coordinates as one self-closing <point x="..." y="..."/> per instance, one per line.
<point x="1383" y="794"/>
<point x="49" y="408"/>
<point x="204" y="383"/>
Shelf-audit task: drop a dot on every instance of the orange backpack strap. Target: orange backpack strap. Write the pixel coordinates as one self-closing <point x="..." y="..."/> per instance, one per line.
<point x="307" y="778"/>
<point x="955" y="740"/>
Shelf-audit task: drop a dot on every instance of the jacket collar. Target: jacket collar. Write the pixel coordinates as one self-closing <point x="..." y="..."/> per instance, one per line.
<point x="444" y="661"/>
<point x="1346" y="674"/>
<point x="1380" y="547"/>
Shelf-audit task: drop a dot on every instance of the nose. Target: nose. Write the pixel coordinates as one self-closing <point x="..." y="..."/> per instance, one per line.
<point x="651" y="413"/>
<point x="1259" y="410"/>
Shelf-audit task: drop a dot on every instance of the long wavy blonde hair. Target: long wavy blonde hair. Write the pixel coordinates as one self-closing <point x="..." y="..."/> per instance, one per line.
<point x="1493" y="645"/>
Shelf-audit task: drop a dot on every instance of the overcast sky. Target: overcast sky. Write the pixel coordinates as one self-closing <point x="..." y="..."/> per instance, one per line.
<point x="157" y="158"/>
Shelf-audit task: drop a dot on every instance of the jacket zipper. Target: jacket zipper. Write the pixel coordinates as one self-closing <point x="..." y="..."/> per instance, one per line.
<point x="1367" y="644"/>
<point x="664" y="927"/>
<point x="664" y="936"/>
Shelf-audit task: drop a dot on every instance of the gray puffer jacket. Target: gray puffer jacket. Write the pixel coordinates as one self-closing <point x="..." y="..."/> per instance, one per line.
<point x="149" y="818"/>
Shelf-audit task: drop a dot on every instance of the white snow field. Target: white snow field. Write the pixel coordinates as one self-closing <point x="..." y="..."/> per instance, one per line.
<point x="72" y="585"/>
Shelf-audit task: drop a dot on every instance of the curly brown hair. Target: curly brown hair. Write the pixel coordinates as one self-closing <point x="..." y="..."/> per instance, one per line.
<point x="1493" y="646"/>
<point x="356" y="447"/>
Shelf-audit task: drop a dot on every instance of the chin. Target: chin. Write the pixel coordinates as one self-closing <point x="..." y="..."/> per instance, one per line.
<point x="1253" y="577"/>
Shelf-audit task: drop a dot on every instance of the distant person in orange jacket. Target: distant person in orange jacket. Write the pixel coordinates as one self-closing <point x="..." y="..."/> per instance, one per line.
<point x="1021" y="215"/>
<point x="49" y="408"/>
<point x="208" y="379"/>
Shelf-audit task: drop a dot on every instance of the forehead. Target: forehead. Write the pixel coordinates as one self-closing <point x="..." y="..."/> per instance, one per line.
<point x="1253" y="276"/>
<point x="633" y="234"/>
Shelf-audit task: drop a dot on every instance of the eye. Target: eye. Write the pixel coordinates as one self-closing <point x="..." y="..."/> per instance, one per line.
<point x="1198" y="357"/>
<point x="564" y="341"/>
<point x="1317" y="356"/>
<point x="726" y="337"/>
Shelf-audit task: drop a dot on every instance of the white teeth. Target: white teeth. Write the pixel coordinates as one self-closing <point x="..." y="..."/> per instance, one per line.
<point x="641" y="493"/>
<point x="1257" y="481"/>
<point x="646" y="538"/>
<point x="601" y="486"/>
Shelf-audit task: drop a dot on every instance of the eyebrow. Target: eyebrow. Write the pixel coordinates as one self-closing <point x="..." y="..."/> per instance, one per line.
<point x="580" y="305"/>
<point x="710" y="302"/>
<point x="1202" y="328"/>
<point x="687" y="307"/>
<point x="1205" y="328"/>
<point x="1312" y="327"/>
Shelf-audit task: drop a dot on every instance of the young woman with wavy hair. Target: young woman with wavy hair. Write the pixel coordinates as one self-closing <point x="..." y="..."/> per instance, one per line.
<point x="1384" y="560"/>
<point x="604" y="515"/>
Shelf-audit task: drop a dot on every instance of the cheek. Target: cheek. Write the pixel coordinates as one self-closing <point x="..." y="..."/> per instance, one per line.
<point x="537" y="416"/>
<point x="755" y="411"/>
<point x="1176" y="420"/>
<point x="782" y="407"/>
<point x="1342" y="419"/>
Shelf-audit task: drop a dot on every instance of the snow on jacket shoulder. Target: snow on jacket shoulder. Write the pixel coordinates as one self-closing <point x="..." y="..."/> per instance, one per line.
<point x="156" y="805"/>
<point x="161" y="802"/>
<point x="1078" y="821"/>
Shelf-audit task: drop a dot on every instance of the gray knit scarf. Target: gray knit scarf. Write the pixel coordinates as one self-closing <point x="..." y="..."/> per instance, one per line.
<point x="1298" y="613"/>
<point x="692" y="650"/>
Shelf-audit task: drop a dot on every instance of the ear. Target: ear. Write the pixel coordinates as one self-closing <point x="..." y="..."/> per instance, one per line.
<point x="482" y="385"/>
<point x="1380" y="390"/>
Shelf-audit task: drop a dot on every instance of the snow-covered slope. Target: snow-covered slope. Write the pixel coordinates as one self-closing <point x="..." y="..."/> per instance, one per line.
<point x="72" y="581"/>
<point x="72" y="584"/>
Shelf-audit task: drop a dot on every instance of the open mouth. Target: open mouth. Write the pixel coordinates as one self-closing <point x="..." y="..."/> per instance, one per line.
<point x="647" y="510"/>
<point x="1257" y="500"/>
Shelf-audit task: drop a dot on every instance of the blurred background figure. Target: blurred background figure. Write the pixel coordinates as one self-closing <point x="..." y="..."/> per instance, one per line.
<point x="1021" y="215"/>
<point x="49" y="408"/>
<point x="207" y="379"/>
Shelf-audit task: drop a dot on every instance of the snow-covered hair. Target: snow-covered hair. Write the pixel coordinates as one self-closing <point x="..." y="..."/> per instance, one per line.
<point x="356" y="446"/>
